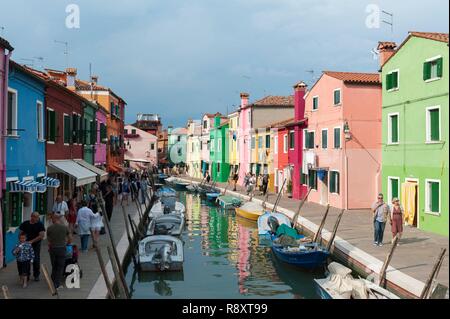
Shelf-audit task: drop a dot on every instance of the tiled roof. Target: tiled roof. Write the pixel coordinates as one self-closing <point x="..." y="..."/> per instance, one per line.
<point x="210" y="115"/>
<point x="282" y="123"/>
<point x="5" y="44"/>
<point x="442" y="37"/>
<point x="273" y="100"/>
<point x="86" y="86"/>
<point x="354" y="77"/>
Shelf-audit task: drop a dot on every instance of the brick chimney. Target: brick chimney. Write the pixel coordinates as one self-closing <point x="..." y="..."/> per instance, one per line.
<point x="386" y="50"/>
<point x="94" y="79"/>
<point x="299" y="100"/>
<point x="71" y="77"/>
<point x="244" y="99"/>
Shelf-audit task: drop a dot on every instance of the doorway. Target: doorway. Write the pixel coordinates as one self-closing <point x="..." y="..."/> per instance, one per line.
<point x="410" y="201"/>
<point x="323" y="182"/>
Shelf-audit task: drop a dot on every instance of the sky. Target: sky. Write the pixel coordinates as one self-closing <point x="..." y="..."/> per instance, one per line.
<point x="183" y="58"/>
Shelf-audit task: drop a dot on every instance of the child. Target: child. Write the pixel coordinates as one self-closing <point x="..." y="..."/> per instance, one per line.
<point x="24" y="254"/>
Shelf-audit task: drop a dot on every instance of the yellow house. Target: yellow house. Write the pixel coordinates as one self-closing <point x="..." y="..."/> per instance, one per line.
<point x="233" y="145"/>
<point x="261" y="159"/>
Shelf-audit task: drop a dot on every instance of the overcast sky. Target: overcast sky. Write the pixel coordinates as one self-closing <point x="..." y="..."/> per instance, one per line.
<point x="182" y="58"/>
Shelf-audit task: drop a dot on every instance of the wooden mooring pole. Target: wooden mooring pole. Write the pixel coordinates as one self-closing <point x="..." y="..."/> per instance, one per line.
<point x="426" y="292"/>
<point x="336" y="226"/>
<point x="278" y="197"/>
<point x="5" y="291"/>
<point x="319" y="231"/>
<point x="50" y="284"/>
<point x="386" y="262"/>
<point x="120" y="279"/>
<point x="297" y="213"/>
<point x="105" y="274"/>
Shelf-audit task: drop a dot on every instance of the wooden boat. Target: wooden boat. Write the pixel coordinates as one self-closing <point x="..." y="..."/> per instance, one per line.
<point x="212" y="196"/>
<point x="339" y="284"/>
<point x="159" y="209"/>
<point x="264" y="228"/>
<point x="166" y="192"/>
<point x="192" y="188"/>
<point x="181" y="185"/>
<point x="170" y="224"/>
<point x="305" y="255"/>
<point x="250" y="210"/>
<point x="229" y="202"/>
<point x="161" y="253"/>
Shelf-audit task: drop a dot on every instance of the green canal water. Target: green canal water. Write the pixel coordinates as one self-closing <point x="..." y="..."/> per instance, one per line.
<point x="222" y="259"/>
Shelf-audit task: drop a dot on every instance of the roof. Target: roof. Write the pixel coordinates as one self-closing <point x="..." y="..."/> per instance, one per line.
<point x="434" y="36"/>
<point x="355" y="77"/>
<point x="26" y="70"/>
<point x="275" y="100"/>
<point x="179" y="131"/>
<point x="5" y="44"/>
<point x="210" y="115"/>
<point x="282" y="123"/>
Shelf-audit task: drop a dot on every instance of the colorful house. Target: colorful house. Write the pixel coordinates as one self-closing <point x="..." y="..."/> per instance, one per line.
<point x="141" y="148"/>
<point x="177" y="145"/>
<point x="207" y="124"/>
<point x="25" y="153"/>
<point x="415" y="128"/>
<point x="220" y="165"/>
<point x="5" y="53"/>
<point x="89" y="131"/>
<point x="233" y="145"/>
<point x="261" y="159"/>
<point x="342" y="144"/>
<point x="193" y="153"/>
<point x="102" y="138"/>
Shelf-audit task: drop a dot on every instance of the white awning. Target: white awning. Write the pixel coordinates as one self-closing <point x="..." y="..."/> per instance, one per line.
<point x="139" y="160"/>
<point x="82" y="175"/>
<point x="101" y="173"/>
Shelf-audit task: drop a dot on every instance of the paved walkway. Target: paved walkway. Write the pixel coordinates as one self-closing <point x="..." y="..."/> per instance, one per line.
<point x="88" y="263"/>
<point x="416" y="255"/>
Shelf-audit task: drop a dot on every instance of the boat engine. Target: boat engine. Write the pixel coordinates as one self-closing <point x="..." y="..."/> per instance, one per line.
<point x="167" y="210"/>
<point x="273" y="224"/>
<point x="162" y="257"/>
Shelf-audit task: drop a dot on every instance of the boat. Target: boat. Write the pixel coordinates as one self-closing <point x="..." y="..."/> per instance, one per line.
<point x="264" y="227"/>
<point x="166" y="192"/>
<point x="308" y="255"/>
<point x="192" y="188"/>
<point x="212" y="196"/>
<point x="250" y="210"/>
<point x="161" y="208"/>
<point x="339" y="284"/>
<point x="181" y="185"/>
<point x="169" y="224"/>
<point x="229" y="202"/>
<point x="170" y="180"/>
<point x="162" y="177"/>
<point x="161" y="253"/>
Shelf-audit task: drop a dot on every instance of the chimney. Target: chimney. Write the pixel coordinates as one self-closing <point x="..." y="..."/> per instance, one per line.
<point x="94" y="79"/>
<point x="386" y="50"/>
<point x="244" y="99"/>
<point x="299" y="100"/>
<point x="71" y="76"/>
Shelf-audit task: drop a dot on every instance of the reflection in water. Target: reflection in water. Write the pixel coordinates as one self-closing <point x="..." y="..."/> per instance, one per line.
<point x="223" y="259"/>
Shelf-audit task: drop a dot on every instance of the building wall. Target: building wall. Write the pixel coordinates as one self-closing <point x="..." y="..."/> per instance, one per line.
<point x="220" y="166"/>
<point x="89" y="150"/>
<point x="100" y="147"/>
<point x="413" y="158"/>
<point x="244" y="137"/>
<point x="233" y="132"/>
<point x="266" y="115"/>
<point x="141" y="146"/>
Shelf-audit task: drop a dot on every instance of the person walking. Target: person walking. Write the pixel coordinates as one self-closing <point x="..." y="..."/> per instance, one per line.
<point x="208" y="178"/>
<point x="58" y="236"/>
<point x="125" y="191"/>
<point x="24" y="255"/>
<point x="265" y="183"/>
<point x="108" y="197"/>
<point x="60" y="208"/>
<point x="235" y="180"/>
<point x="72" y="215"/>
<point x="397" y="217"/>
<point x="144" y="188"/>
<point x="381" y="214"/>
<point x="34" y="231"/>
<point x="84" y="218"/>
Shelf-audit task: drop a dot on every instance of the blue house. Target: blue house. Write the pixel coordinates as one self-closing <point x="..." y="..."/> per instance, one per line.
<point x="25" y="153"/>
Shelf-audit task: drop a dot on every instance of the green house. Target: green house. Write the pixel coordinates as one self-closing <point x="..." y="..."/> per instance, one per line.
<point x="415" y="128"/>
<point x="219" y="157"/>
<point x="89" y="127"/>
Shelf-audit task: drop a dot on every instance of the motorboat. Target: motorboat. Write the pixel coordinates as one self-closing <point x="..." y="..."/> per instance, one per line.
<point x="340" y="284"/>
<point x="169" y="224"/>
<point x="250" y="210"/>
<point x="212" y="196"/>
<point x="166" y="192"/>
<point x="229" y="202"/>
<point x="308" y="255"/>
<point x="181" y="185"/>
<point x="264" y="227"/>
<point x="161" y="208"/>
<point x="192" y="188"/>
<point x="161" y="253"/>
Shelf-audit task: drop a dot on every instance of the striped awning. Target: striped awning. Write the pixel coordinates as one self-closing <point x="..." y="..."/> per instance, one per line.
<point x="27" y="187"/>
<point x="50" y="182"/>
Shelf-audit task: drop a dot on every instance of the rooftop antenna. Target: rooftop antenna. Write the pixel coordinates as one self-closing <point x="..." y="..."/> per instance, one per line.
<point x="312" y="75"/>
<point x="91" y="82"/>
<point x="391" y="21"/>
<point x="66" y="50"/>
<point x="1" y="30"/>
<point x="40" y="59"/>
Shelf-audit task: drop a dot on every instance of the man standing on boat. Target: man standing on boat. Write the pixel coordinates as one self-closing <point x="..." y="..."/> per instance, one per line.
<point x="381" y="214"/>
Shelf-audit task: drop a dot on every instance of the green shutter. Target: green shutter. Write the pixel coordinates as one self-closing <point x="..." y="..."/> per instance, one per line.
<point x="324" y="139"/>
<point x="74" y="128"/>
<point x="427" y="71"/>
<point x="5" y="208"/>
<point x="434" y="197"/>
<point x="440" y="63"/>
<point x="434" y="125"/>
<point x="112" y="108"/>
<point x="337" y="97"/>
<point x="93" y="132"/>
<point x="395" y="80"/>
<point x="388" y="82"/>
<point x="337" y="138"/>
<point x="337" y="177"/>
<point x="53" y="126"/>
<point x="67" y="130"/>
<point x="394" y="189"/>
<point x="394" y="129"/>
<point x="332" y="183"/>
<point x="17" y="209"/>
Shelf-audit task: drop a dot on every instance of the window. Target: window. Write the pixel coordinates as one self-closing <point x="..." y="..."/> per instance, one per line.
<point x="133" y="131"/>
<point x="67" y="129"/>
<point x="125" y="131"/>
<point x="218" y="167"/>
<point x="205" y="124"/>
<point x="275" y="144"/>
<point x="219" y="144"/>
<point x="312" y="179"/>
<point x="309" y="139"/>
<point x="433" y="126"/>
<point x="315" y="101"/>
<point x="260" y="142"/>
<point x="51" y="125"/>
<point x="432" y="196"/>
<point x="93" y="132"/>
<point x="40" y="120"/>
<point x="393" y="128"/>
<point x="285" y="143"/>
<point x="393" y="188"/>
<point x="178" y="137"/>
<point x="75" y="128"/>
<point x="179" y="151"/>
<point x="267" y="141"/>
<point x="392" y="80"/>
<point x="303" y="178"/>
<point x="324" y="139"/>
<point x="11" y="119"/>
<point x="253" y="143"/>
<point x="337" y="137"/>
<point x="337" y="96"/>
<point x="291" y="140"/>
<point x="334" y="182"/>
<point x="432" y="69"/>
<point x="103" y="136"/>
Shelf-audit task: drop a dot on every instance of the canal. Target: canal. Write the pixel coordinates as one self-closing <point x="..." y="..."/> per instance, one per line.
<point x="222" y="259"/>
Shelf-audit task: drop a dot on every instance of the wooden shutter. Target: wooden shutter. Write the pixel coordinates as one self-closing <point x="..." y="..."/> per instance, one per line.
<point x="53" y="126"/>
<point x="337" y="138"/>
<point x="394" y="189"/>
<point x="440" y="65"/>
<point x="394" y="129"/>
<point x="332" y="182"/>
<point x="394" y="80"/>
<point x="434" y="197"/>
<point x="324" y="139"/>
<point x="434" y="125"/>
<point x="67" y="130"/>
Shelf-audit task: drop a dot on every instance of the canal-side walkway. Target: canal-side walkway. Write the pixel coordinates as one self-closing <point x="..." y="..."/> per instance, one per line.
<point x="413" y="259"/>
<point x="92" y="282"/>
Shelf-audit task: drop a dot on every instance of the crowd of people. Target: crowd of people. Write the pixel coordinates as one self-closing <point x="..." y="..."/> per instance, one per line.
<point x="251" y="183"/>
<point x="83" y="218"/>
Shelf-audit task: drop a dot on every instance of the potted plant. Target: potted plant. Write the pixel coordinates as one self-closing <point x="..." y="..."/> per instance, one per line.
<point x="289" y="189"/>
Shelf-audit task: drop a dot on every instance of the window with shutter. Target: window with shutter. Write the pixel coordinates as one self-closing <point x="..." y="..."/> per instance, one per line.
<point x="388" y="81"/>
<point x="393" y="132"/>
<point x="394" y="186"/>
<point x="312" y="179"/>
<point x="291" y="140"/>
<point x="395" y="80"/>
<point x="80" y="136"/>
<point x="433" y="196"/>
<point x="94" y="132"/>
<point x="426" y="71"/>
<point x="433" y="125"/>
<point x="315" y="103"/>
<point x="337" y="97"/>
<point x="324" y="139"/>
<point x="267" y="141"/>
<point x="51" y="125"/>
<point x="332" y="183"/>
<point x="337" y="138"/>
<point x="67" y="129"/>
<point x="112" y="108"/>
<point x="74" y="128"/>
<point x="440" y="65"/>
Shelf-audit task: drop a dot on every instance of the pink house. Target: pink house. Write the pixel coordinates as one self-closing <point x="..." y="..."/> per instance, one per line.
<point x="100" y="146"/>
<point x="141" y="148"/>
<point x="342" y="144"/>
<point x="244" y="136"/>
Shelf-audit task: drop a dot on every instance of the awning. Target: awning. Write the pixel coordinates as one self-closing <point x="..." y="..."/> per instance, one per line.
<point x="50" y="182"/>
<point x="115" y="168"/>
<point x="139" y="160"/>
<point x="102" y="175"/>
<point x="82" y="175"/>
<point x="27" y="187"/>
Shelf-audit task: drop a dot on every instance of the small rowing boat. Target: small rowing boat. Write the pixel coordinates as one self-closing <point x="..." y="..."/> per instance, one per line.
<point x="212" y="196"/>
<point x="229" y="202"/>
<point x="250" y="210"/>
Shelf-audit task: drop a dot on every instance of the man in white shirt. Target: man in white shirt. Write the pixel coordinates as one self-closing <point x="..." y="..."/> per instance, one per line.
<point x="60" y="208"/>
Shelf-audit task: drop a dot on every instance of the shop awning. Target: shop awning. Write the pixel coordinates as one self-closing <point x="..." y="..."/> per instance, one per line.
<point x="139" y="160"/>
<point x="27" y="187"/>
<point x="115" y="168"/>
<point x="82" y="175"/>
<point x="50" y="182"/>
<point x="102" y="175"/>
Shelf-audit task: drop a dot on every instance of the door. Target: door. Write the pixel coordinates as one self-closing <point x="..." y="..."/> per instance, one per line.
<point x="410" y="196"/>
<point x="323" y="182"/>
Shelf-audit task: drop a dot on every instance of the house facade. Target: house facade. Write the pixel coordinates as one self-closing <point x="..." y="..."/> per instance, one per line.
<point x="233" y="144"/>
<point x="207" y="124"/>
<point x="280" y="150"/>
<point x="342" y="144"/>
<point x="193" y="153"/>
<point x="415" y="128"/>
<point x="141" y="148"/>
<point x="219" y="156"/>
<point x="102" y="138"/>
<point x="177" y="139"/>
<point x="89" y="127"/>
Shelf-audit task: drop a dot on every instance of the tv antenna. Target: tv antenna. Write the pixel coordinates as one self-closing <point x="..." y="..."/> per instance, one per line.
<point x="312" y="75"/>
<point x="1" y="30"/>
<point x="391" y="19"/>
<point x="66" y="50"/>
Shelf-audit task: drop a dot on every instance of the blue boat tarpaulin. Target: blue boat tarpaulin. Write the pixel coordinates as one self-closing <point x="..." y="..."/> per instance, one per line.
<point x="321" y="174"/>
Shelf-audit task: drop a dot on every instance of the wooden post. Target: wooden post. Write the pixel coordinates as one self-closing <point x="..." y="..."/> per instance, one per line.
<point x="297" y="213"/>
<point x="138" y="233"/>
<point x="117" y="274"/>
<point x="333" y="234"/>
<point x="278" y="197"/>
<point x="319" y="231"/>
<point x="386" y="263"/>
<point x="133" y="230"/>
<point x="6" y="294"/>
<point x="50" y="284"/>
<point x="437" y="266"/>
<point x="105" y="274"/>
<point x="130" y="240"/>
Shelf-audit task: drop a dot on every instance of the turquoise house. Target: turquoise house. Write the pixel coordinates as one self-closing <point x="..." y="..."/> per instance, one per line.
<point x="219" y="155"/>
